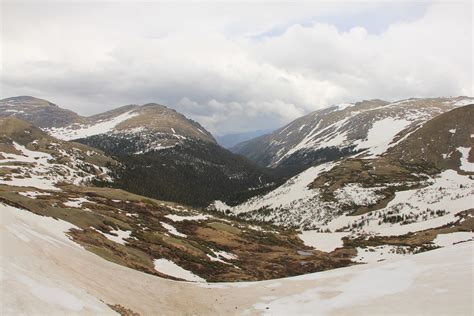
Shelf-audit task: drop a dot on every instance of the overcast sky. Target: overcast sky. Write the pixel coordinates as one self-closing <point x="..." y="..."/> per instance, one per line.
<point x="239" y="66"/>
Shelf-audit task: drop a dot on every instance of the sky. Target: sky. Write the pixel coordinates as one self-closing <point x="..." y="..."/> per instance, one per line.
<point x="234" y="66"/>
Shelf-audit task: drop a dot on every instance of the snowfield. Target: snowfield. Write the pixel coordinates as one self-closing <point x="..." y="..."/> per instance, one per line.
<point x="77" y="131"/>
<point x="294" y="193"/>
<point x="381" y="134"/>
<point x="40" y="276"/>
<point x="322" y="241"/>
<point x="293" y="204"/>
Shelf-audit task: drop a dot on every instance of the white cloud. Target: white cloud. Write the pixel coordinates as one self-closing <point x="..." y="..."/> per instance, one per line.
<point x="212" y="62"/>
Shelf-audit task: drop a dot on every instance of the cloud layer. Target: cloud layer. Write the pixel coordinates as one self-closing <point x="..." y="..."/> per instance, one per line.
<point x="233" y="67"/>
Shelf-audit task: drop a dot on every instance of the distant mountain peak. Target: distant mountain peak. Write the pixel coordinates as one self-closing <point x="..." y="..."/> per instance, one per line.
<point x="371" y="126"/>
<point x="150" y="118"/>
<point x="27" y="101"/>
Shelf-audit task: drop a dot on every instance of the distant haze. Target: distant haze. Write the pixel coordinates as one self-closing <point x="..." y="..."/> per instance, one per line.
<point x="230" y="140"/>
<point x="234" y="66"/>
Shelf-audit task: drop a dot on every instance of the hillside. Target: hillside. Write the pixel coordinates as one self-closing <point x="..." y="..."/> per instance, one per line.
<point x="162" y="153"/>
<point x="167" y="125"/>
<point x="59" y="277"/>
<point x="30" y="157"/>
<point x="54" y="215"/>
<point x="369" y="127"/>
<point x="422" y="185"/>
<point x="54" y="179"/>
<point x="190" y="171"/>
<point x="41" y="113"/>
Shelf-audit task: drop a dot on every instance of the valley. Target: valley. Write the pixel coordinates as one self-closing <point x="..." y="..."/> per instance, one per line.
<point x="148" y="191"/>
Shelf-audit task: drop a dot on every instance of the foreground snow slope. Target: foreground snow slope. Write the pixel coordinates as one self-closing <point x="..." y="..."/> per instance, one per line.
<point x="43" y="272"/>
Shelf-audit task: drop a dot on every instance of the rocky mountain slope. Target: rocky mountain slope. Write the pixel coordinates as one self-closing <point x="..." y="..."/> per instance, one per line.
<point x="54" y="178"/>
<point x="422" y="184"/>
<point x="30" y="157"/>
<point x="166" y="125"/>
<point x="369" y="127"/>
<point x="162" y="153"/>
<point x="362" y="209"/>
<point x="41" y="113"/>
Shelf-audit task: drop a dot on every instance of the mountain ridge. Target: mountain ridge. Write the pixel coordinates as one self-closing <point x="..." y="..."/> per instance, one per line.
<point x="427" y="171"/>
<point x="341" y="130"/>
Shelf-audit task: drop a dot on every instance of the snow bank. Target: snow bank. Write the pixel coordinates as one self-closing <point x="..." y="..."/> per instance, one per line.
<point x="445" y="240"/>
<point x="378" y="288"/>
<point x="322" y="241"/>
<point x="172" y="269"/>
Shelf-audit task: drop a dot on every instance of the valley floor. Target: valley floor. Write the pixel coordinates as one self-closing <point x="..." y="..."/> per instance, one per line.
<point x="43" y="272"/>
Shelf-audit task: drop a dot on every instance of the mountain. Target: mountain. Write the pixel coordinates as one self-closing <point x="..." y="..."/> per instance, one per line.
<point x="53" y="184"/>
<point x="421" y="184"/>
<point x="230" y="140"/>
<point x="369" y="127"/>
<point x="72" y="245"/>
<point x="40" y="112"/>
<point x="164" y="125"/>
<point x="162" y="153"/>
<point x="30" y="157"/>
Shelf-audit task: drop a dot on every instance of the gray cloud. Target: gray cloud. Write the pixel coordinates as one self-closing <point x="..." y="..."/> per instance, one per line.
<point x="212" y="62"/>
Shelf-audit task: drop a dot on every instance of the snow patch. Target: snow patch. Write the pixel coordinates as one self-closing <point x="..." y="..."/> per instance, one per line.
<point x="180" y="218"/>
<point x="120" y="238"/>
<point x="381" y="134"/>
<point x="172" y="230"/>
<point x="326" y="242"/>
<point x="445" y="240"/>
<point x="77" y="203"/>
<point x="465" y="164"/>
<point x="170" y="268"/>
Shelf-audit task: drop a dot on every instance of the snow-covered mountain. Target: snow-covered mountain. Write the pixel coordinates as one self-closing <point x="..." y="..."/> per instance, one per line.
<point x="67" y="183"/>
<point x="369" y="127"/>
<point x="163" y="154"/>
<point x="425" y="181"/>
<point x="416" y="197"/>
<point x="167" y="126"/>
<point x="157" y="126"/>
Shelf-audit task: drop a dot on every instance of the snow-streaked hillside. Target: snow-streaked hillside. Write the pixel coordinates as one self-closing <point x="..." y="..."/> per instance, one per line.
<point x="294" y="204"/>
<point x="163" y="125"/>
<point x="43" y="273"/>
<point x="39" y="170"/>
<point x="422" y="186"/>
<point x="153" y="126"/>
<point x="76" y="131"/>
<point x="44" y="162"/>
<point x="368" y="126"/>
